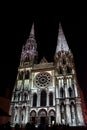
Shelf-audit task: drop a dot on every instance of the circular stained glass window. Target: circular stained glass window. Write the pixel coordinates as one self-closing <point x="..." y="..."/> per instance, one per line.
<point x="43" y="79"/>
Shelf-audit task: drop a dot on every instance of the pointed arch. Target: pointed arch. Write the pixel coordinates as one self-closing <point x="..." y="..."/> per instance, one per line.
<point x="32" y="116"/>
<point x="33" y="113"/>
<point x="42" y="113"/>
<point x="52" y="115"/>
<point x="34" y="100"/>
<point x="43" y="98"/>
<point x="51" y="99"/>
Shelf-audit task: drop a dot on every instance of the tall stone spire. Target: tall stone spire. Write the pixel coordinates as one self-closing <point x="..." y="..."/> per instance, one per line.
<point x="32" y="30"/>
<point x="61" y="41"/>
<point x="29" y="50"/>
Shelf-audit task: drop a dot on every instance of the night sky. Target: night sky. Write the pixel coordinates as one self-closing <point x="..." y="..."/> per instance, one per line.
<point x="16" y="22"/>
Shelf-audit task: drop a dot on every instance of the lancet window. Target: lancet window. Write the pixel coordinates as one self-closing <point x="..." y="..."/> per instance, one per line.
<point x="50" y="98"/>
<point x="43" y="98"/>
<point x="70" y="92"/>
<point x="34" y="100"/>
<point x="61" y="92"/>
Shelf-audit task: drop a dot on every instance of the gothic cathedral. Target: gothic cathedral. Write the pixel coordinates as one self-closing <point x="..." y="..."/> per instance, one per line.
<point x="45" y="93"/>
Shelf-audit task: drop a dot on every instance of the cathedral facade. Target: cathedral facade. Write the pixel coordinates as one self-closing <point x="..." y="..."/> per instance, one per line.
<point x="46" y="93"/>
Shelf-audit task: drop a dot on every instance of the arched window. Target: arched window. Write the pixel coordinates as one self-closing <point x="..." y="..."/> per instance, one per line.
<point x="27" y="75"/>
<point x="34" y="100"/>
<point x="43" y="98"/>
<point x="51" y="99"/>
<point x="61" y="92"/>
<point x="33" y="115"/>
<point x="70" y="92"/>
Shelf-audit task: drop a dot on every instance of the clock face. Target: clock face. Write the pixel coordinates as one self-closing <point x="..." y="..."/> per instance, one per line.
<point x="43" y="79"/>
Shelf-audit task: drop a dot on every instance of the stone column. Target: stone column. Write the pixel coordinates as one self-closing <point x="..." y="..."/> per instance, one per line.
<point x="58" y="116"/>
<point x="57" y="89"/>
<point x="28" y="96"/>
<point x="68" y="113"/>
<point x="26" y="120"/>
<point x="38" y="98"/>
<point x="79" y="114"/>
<point x="47" y="100"/>
<point x="57" y="95"/>
<point x="59" y="83"/>
<point x="75" y="90"/>
<point x="53" y="98"/>
<point x="31" y="100"/>
<point x="66" y="91"/>
<point x="20" y="96"/>
<point x="67" y="86"/>
<point x="12" y="97"/>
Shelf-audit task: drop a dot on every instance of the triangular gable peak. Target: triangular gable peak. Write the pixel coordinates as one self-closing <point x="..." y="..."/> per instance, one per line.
<point x="43" y="60"/>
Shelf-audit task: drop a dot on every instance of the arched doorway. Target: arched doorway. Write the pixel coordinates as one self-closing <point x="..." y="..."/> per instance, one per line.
<point x="42" y="116"/>
<point x="52" y="117"/>
<point x="32" y="116"/>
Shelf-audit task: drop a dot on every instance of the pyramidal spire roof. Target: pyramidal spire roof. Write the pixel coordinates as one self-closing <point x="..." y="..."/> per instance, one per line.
<point x="61" y="41"/>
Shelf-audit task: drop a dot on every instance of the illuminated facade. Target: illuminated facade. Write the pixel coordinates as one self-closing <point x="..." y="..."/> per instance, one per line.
<point x="46" y="92"/>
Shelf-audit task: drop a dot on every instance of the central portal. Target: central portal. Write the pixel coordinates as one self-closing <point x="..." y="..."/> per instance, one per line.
<point x="42" y="116"/>
<point x="42" y="120"/>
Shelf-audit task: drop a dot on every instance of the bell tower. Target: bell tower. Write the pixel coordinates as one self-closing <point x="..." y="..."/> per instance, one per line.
<point x="68" y="101"/>
<point x="29" y="52"/>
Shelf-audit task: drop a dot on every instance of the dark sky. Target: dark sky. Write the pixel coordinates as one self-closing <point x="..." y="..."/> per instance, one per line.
<point x="16" y="21"/>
